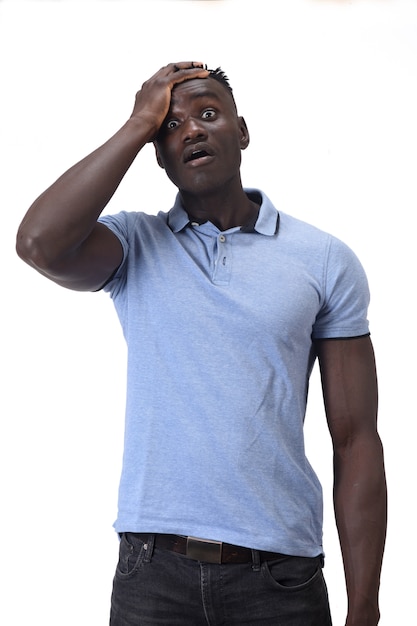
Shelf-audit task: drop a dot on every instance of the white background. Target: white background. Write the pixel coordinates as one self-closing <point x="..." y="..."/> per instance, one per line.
<point x="329" y="92"/>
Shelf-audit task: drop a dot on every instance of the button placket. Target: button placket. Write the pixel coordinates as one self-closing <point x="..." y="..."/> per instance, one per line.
<point x="222" y="266"/>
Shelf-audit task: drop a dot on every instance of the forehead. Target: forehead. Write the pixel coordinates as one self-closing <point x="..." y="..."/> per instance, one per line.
<point x="191" y="90"/>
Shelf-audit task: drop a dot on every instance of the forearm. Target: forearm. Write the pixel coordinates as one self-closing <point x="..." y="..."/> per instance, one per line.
<point x="61" y="220"/>
<point x="65" y="214"/>
<point x="360" y="508"/>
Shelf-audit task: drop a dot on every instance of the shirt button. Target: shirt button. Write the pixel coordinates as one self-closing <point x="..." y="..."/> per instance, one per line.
<point x="222" y="238"/>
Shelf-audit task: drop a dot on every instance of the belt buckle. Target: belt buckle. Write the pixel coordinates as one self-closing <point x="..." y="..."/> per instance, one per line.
<point x="204" y="550"/>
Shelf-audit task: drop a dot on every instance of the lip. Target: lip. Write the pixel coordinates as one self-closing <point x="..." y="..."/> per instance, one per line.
<point x="190" y="154"/>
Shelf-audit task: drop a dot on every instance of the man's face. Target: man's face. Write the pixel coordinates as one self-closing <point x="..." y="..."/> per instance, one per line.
<point x="199" y="144"/>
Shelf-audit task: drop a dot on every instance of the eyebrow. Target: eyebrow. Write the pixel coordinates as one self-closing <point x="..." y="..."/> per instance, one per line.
<point x="207" y="93"/>
<point x="199" y="95"/>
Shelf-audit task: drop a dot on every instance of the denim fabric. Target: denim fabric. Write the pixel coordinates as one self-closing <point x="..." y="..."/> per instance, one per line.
<point x="155" y="587"/>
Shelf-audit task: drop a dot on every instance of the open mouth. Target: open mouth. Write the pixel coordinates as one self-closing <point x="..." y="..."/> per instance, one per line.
<point x="195" y="153"/>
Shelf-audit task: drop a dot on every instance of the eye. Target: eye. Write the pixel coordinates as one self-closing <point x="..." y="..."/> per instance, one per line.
<point x="208" y="113"/>
<point x="171" y="124"/>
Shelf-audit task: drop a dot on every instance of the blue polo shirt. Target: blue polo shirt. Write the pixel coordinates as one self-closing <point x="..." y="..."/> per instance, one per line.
<point x="219" y="328"/>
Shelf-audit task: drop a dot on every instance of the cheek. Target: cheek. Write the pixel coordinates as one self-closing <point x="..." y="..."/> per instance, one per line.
<point x="166" y="158"/>
<point x="233" y="149"/>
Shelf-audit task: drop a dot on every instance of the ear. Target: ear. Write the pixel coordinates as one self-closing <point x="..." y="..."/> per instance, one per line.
<point x="158" y="156"/>
<point x="244" y="133"/>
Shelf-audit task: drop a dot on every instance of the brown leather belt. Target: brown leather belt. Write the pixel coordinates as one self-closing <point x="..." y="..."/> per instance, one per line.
<point x="207" y="550"/>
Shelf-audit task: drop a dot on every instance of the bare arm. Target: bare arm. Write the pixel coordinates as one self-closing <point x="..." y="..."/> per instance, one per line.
<point x="59" y="235"/>
<point x="350" y="395"/>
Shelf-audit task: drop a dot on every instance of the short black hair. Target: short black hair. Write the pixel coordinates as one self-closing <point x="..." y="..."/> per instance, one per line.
<point x="221" y="77"/>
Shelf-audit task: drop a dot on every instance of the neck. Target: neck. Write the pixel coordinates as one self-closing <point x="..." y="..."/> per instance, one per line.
<point x="223" y="210"/>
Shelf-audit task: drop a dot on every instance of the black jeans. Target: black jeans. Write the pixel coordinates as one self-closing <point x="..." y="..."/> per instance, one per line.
<point x="154" y="587"/>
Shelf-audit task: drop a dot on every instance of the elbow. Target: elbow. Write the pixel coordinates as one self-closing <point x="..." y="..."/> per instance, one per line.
<point x="25" y="246"/>
<point x="30" y="249"/>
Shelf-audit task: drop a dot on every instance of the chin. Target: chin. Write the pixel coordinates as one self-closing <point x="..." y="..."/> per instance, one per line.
<point x="199" y="185"/>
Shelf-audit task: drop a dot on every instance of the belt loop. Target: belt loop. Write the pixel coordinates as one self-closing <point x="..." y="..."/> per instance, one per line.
<point x="256" y="560"/>
<point x="149" y="546"/>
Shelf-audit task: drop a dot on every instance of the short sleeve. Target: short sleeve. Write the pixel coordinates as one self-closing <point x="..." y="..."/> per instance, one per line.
<point x="344" y="308"/>
<point x="119" y="224"/>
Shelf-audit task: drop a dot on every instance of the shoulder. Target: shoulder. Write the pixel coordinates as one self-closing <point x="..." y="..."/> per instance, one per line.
<point x="290" y="225"/>
<point x="313" y="240"/>
<point x="127" y="223"/>
<point x="130" y="219"/>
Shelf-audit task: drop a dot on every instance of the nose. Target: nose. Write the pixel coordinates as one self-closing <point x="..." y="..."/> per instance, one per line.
<point x="193" y="128"/>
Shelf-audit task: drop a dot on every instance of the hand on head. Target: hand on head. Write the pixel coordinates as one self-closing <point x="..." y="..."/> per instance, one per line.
<point x="153" y="100"/>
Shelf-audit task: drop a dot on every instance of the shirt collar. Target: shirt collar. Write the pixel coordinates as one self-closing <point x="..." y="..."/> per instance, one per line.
<point x="266" y="222"/>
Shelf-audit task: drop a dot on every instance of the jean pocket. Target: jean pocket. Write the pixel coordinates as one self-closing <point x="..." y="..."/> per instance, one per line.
<point x="292" y="573"/>
<point x="131" y="554"/>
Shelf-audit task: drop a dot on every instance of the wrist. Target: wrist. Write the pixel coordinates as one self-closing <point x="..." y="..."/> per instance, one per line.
<point x="143" y="126"/>
<point x="365" y="616"/>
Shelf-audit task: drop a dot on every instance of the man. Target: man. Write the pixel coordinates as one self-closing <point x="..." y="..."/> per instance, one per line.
<point x="225" y="305"/>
